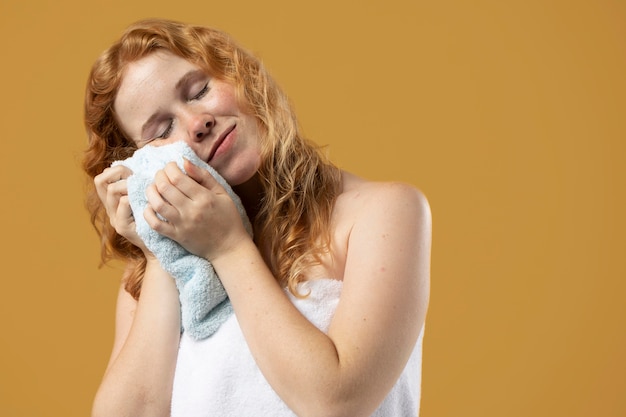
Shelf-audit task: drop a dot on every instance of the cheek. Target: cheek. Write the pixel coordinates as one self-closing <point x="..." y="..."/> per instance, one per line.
<point x="252" y="166"/>
<point x="225" y="95"/>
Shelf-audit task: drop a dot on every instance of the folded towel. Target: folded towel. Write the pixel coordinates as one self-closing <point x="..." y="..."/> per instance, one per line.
<point x="204" y="302"/>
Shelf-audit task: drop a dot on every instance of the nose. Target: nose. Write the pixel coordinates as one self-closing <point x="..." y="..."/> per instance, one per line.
<point x="200" y="126"/>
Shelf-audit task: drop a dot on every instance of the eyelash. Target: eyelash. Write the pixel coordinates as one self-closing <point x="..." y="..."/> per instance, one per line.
<point x="198" y="96"/>
<point x="167" y="131"/>
<point x="202" y="92"/>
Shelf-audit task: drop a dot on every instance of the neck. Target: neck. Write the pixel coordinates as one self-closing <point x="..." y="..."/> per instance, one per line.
<point x="250" y="193"/>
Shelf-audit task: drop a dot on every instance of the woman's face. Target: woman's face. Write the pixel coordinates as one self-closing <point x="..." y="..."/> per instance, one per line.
<point x="164" y="98"/>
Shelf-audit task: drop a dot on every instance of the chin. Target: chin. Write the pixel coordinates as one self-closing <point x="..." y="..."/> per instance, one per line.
<point x="241" y="171"/>
<point x="239" y="177"/>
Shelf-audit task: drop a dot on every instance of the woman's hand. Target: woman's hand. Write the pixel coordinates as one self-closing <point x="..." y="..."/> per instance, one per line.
<point x="199" y="214"/>
<point x="113" y="192"/>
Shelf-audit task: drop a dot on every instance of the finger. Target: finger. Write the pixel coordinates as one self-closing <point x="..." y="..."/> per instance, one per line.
<point x="123" y="171"/>
<point x="188" y="186"/>
<point x="119" y="188"/>
<point x="160" y="205"/>
<point x="110" y="176"/>
<point x="175" y="186"/>
<point x="112" y="197"/>
<point x="201" y="176"/>
<point x="179" y="179"/>
<point x="123" y="217"/>
<point x="113" y="174"/>
<point x="156" y="223"/>
<point x="124" y="209"/>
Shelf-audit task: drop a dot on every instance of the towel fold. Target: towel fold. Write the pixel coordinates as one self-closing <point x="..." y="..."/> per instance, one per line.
<point x="204" y="302"/>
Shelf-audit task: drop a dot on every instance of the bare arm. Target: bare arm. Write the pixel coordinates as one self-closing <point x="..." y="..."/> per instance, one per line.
<point x="139" y="378"/>
<point x="138" y="381"/>
<point x="350" y="370"/>
<point x="382" y="308"/>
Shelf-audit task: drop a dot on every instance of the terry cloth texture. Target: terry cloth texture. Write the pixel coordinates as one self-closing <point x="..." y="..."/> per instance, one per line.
<point x="204" y="302"/>
<point x="218" y="376"/>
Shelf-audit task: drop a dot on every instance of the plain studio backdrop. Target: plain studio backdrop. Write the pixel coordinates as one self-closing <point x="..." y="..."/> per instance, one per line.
<point x="509" y="115"/>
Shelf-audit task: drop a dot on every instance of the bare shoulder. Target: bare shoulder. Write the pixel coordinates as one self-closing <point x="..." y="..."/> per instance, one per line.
<point x="371" y="219"/>
<point x="370" y="198"/>
<point x="387" y="268"/>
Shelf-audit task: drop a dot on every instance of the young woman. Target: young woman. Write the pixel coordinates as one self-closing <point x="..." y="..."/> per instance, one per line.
<point x="329" y="297"/>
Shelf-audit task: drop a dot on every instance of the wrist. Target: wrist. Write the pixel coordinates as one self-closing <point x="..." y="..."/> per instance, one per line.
<point x="151" y="261"/>
<point x="244" y="250"/>
<point x="228" y="246"/>
<point x="154" y="271"/>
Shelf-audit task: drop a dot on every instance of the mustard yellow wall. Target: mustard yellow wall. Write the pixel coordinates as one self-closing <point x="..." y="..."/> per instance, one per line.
<point x="509" y="115"/>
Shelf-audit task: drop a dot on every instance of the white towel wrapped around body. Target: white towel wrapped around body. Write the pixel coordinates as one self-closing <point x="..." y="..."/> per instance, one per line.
<point x="218" y="376"/>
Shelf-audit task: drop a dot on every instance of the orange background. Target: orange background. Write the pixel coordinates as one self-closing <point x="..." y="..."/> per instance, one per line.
<point x="509" y="115"/>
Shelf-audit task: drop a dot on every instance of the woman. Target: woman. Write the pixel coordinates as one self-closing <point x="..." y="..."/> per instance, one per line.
<point x="324" y="240"/>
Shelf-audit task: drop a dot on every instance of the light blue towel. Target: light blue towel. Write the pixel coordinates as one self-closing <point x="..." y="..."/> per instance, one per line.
<point x="204" y="302"/>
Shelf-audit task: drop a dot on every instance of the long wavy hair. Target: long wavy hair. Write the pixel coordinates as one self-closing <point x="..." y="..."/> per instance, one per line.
<point x="300" y="184"/>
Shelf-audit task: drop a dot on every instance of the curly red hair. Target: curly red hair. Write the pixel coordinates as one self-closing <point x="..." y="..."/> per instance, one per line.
<point x="300" y="184"/>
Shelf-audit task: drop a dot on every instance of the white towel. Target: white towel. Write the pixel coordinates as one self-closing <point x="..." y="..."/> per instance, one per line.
<point x="204" y="302"/>
<point x="218" y="377"/>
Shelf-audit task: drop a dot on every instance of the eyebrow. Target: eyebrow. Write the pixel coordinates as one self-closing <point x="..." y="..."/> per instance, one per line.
<point x="191" y="75"/>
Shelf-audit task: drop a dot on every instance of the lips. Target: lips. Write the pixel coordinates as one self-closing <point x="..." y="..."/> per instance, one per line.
<point x="219" y="141"/>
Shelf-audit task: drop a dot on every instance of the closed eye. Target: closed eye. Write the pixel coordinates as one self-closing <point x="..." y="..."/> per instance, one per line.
<point x="167" y="131"/>
<point x="201" y="93"/>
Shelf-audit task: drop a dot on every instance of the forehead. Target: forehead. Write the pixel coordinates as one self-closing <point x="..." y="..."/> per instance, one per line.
<point x="153" y="68"/>
<point x="145" y="84"/>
